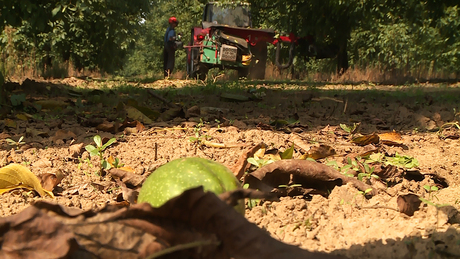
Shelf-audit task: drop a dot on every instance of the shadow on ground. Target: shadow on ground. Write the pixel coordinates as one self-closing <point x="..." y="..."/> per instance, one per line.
<point x="284" y="106"/>
<point x="437" y="245"/>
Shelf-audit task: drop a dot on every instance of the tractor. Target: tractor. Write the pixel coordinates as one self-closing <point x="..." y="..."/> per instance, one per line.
<point x="226" y="40"/>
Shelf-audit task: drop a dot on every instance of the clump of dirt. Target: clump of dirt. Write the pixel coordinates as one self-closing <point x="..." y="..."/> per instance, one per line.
<point x="345" y="222"/>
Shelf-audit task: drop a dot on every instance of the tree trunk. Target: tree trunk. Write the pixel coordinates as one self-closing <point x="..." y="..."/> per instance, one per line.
<point x="342" y="57"/>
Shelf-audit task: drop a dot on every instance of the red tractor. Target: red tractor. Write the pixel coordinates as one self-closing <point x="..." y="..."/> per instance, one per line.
<point x="226" y="40"/>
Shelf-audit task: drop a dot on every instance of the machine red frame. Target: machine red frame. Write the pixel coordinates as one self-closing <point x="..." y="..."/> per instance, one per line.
<point x="256" y="39"/>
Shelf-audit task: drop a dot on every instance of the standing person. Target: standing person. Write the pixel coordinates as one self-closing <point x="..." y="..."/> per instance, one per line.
<point x="169" y="47"/>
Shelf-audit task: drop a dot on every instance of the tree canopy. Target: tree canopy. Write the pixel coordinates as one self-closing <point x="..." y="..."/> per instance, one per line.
<point x="92" y="34"/>
<point x="110" y="35"/>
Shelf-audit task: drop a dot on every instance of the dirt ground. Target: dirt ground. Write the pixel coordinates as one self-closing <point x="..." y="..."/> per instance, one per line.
<point x="342" y="223"/>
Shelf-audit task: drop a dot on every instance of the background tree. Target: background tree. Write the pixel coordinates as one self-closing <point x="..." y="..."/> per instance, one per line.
<point x="91" y="34"/>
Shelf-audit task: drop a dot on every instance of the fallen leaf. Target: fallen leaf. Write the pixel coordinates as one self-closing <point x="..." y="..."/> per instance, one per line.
<point x="14" y="176"/>
<point x="299" y="142"/>
<point x="22" y="117"/>
<point x="127" y="194"/>
<point x="50" y="238"/>
<point x="242" y="164"/>
<point x="139" y="126"/>
<point x="391" y="139"/>
<point x="288" y="153"/>
<point x="408" y="203"/>
<point x="108" y="127"/>
<point x="127" y="177"/>
<point x="263" y="126"/>
<point x="63" y="135"/>
<point x="366" y="140"/>
<point x="152" y="114"/>
<point x="76" y="150"/>
<point x="368" y="150"/>
<point x="33" y="133"/>
<point x="43" y="163"/>
<point x="129" y="131"/>
<point x="51" y="180"/>
<point x="388" y="172"/>
<point x="319" y="152"/>
<point x="309" y="174"/>
<point x="196" y="224"/>
<point x="135" y="114"/>
<point x="10" y="123"/>
<point x="260" y="152"/>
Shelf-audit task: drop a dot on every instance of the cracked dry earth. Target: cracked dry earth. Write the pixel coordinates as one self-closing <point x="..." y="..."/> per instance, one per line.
<point x="344" y="223"/>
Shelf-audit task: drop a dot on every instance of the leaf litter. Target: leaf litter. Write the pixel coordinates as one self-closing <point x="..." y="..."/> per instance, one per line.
<point x="193" y="225"/>
<point x="143" y="151"/>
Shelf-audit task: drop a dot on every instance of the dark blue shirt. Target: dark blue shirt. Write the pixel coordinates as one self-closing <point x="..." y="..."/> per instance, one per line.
<point x="170" y="32"/>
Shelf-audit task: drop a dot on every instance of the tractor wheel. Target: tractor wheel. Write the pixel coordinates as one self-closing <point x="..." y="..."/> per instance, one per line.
<point x="259" y="61"/>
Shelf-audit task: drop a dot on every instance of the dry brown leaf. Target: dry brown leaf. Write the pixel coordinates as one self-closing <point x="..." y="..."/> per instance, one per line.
<point x="260" y="152"/>
<point x="127" y="194"/>
<point x="112" y="161"/>
<point x="4" y="135"/>
<point x="242" y="164"/>
<point x="43" y="163"/>
<point x="50" y="238"/>
<point x="51" y="180"/>
<point x="137" y="115"/>
<point x="408" y="203"/>
<point x="388" y="172"/>
<point x="127" y="177"/>
<point x="76" y="150"/>
<point x="63" y="135"/>
<point x="15" y="176"/>
<point x="319" y="152"/>
<point x="311" y="175"/>
<point x="107" y="126"/>
<point x="196" y="220"/>
<point x="366" y="140"/>
<point x="139" y="126"/>
<point x="33" y="133"/>
<point x="10" y="123"/>
<point x="391" y="139"/>
<point x="130" y="130"/>
<point x="299" y="142"/>
<point x="368" y="149"/>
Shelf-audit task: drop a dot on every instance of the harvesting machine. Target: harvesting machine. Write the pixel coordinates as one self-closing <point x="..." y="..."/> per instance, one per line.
<point x="226" y="40"/>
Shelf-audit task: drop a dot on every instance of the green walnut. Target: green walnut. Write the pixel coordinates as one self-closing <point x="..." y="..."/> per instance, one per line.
<point x="173" y="178"/>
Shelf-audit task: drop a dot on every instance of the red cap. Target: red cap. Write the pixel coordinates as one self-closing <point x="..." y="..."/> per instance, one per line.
<point x="173" y="20"/>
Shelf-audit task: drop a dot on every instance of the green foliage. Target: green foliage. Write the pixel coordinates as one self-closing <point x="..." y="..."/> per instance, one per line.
<point x="432" y="190"/>
<point x="90" y="34"/>
<point x="198" y="132"/>
<point x="401" y="161"/>
<point x="411" y="37"/>
<point x="146" y="58"/>
<point x="350" y="129"/>
<point x="98" y="151"/>
<point x="259" y="162"/>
